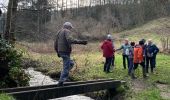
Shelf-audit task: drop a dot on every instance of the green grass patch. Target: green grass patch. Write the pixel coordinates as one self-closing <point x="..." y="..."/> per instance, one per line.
<point x="149" y="94"/>
<point x="89" y="66"/>
<point x="6" y="97"/>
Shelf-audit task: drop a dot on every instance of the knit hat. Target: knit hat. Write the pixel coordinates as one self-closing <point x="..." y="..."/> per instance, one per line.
<point x="68" y="24"/>
<point x="109" y="37"/>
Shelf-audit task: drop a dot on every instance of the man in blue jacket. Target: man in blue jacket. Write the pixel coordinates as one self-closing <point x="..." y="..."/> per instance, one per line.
<point x="125" y="47"/>
<point x="151" y="52"/>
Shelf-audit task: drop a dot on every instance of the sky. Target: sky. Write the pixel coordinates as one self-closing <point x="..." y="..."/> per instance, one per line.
<point x="5" y="3"/>
<point x="2" y="4"/>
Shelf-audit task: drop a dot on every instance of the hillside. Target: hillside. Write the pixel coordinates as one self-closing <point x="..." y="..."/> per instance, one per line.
<point x="156" y="30"/>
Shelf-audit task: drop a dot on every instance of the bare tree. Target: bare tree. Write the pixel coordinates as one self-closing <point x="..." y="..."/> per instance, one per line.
<point x="11" y="18"/>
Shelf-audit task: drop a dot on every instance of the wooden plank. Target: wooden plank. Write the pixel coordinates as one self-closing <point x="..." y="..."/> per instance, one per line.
<point x="8" y="90"/>
<point x="50" y="93"/>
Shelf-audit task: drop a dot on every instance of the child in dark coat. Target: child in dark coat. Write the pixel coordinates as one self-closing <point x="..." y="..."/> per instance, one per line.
<point x="131" y="54"/>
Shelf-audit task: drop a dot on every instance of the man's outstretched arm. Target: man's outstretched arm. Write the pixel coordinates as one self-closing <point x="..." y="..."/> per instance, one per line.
<point x="72" y="40"/>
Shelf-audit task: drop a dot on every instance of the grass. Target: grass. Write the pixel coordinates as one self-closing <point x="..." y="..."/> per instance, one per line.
<point x="149" y="94"/>
<point x="154" y="30"/>
<point x="89" y="62"/>
<point x="89" y="66"/>
<point x="6" y="97"/>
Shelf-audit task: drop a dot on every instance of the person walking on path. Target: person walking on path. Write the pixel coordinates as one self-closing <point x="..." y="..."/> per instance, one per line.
<point x="125" y="54"/>
<point x="63" y="47"/>
<point x="131" y="55"/>
<point x="108" y="52"/>
<point x="151" y="52"/>
<point x="138" y="59"/>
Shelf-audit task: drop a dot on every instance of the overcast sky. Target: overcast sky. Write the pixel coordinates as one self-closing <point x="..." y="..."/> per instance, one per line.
<point x="5" y="2"/>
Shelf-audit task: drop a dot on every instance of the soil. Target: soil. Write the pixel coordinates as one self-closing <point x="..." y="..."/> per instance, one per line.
<point x="165" y="91"/>
<point x="139" y="85"/>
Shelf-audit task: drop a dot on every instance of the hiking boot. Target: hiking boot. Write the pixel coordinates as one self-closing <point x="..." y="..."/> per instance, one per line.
<point x="133" y="77"/>
<point x="129" y="74"/>
<point x="60" y="84"/>
<point x="108" y="72"/>
<point x="145" y="76"/>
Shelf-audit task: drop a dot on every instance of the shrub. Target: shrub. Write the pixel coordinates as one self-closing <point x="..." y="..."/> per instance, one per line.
<point x="11" y="71"/>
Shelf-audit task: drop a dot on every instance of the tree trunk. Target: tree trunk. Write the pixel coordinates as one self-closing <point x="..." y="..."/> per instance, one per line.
<point x="11" y="18"/>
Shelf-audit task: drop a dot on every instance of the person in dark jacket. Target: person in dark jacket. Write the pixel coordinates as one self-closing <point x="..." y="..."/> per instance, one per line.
<point x="151" y="52"/>
<point x="126" y="46"/>
<point x="144" y="50"/>
<point x="62" y="45"/>
<point x="108" y="51"/>
<point x="131" y="55"/>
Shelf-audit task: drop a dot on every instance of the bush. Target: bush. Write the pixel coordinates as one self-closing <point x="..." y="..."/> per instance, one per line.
<point x="11" y="71"/>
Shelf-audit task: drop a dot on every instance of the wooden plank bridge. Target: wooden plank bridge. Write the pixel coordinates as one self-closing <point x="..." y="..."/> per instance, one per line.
<point x="53" y="91"/>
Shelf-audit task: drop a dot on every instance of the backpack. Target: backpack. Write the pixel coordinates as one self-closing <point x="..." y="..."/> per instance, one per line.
<point x="127" y="51"/>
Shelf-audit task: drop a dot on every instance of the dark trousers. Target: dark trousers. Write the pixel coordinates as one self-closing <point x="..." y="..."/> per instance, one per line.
<point x="143" y="68"/>
<point x="125" y="58"/>
<point x="144" y="60"/>
<point x="150" y="61"/>
<point x="113" y="60"/>
<point x="131" y="65"/>
<point x="107" y="64"/>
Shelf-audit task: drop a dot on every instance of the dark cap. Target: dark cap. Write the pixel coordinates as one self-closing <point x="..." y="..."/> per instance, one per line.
<point x="141" y="42"/>
<point x="144" y="40"/>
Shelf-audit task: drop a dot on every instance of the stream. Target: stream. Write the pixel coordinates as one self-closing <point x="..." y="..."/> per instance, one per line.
<point x="37" y="79"/>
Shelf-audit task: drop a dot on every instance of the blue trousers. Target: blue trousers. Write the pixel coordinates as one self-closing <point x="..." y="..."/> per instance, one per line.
<point x="131" y="65"/>
<point x="67" y="66"/>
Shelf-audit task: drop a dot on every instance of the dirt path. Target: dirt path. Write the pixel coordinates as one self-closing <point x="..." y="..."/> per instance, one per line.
<point x="165" y="90"/>
<point x="139" y="85"/>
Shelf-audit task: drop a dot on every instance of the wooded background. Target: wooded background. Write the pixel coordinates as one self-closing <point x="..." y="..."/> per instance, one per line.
<point x="39" y="20"/>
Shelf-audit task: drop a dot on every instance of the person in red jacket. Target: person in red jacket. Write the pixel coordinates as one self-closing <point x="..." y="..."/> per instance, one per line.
<point x="108" y="52"/>
<point x="138" y="58"/>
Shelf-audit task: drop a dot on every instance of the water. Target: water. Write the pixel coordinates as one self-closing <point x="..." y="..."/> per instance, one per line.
<point x="37" y="79"/>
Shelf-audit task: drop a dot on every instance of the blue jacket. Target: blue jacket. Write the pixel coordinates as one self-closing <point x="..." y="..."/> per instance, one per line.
<point x="151" y="50"/>
<point x="125" y="48"/>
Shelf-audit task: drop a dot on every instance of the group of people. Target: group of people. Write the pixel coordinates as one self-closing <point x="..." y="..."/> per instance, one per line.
<point x="142" y="53"/>
<point x="134" y="54"/>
